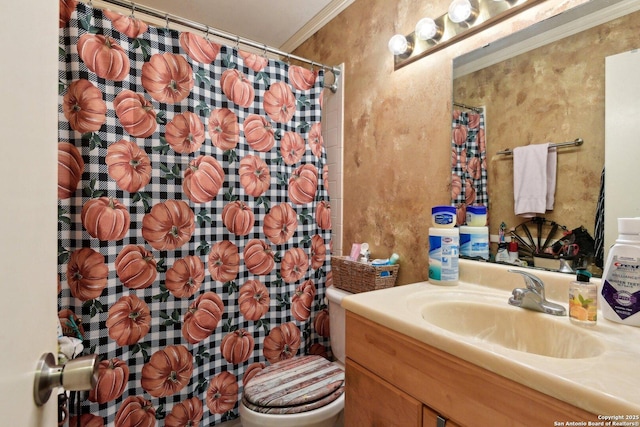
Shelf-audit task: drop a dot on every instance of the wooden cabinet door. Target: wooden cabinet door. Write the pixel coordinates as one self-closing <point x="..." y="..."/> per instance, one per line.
<point x="373" y="402"/>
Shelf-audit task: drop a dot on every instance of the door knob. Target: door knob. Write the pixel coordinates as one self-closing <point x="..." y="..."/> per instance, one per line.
<point x="77" y="374"/>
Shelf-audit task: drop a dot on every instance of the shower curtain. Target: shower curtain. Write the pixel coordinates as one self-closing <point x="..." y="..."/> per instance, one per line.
<point x="194" y="218"/>
<point x="468" y="163"/>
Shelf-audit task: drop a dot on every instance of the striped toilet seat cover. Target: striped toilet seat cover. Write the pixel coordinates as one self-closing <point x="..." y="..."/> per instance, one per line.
<point x="294" y="385"/>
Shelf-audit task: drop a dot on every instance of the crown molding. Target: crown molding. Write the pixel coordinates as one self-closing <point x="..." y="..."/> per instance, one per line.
<point x="320" y="20"/>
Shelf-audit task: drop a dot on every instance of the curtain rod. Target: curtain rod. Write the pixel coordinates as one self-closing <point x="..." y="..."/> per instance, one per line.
<point x="577" y="142"/>
<point x="222" y="34"/>
<point x="468" y="107"/>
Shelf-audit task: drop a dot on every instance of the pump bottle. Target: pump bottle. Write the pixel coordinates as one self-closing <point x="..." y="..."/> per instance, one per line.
<point x="583" y="300"/>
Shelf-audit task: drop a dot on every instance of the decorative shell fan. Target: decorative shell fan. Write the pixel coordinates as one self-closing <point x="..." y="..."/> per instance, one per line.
<point x="536" y="237"/>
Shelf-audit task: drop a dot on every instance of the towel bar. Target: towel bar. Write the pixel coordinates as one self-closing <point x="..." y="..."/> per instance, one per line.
<point x="577" y="142"/>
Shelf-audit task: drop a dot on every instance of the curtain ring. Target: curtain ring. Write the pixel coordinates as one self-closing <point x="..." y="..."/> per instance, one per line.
<point x="264" y="53"/>
<point x="288" y="59"/>
<point x="312" y="66"/>
<point x="166" y="22"/>
<point x="207" y="34"/>
<point x="237" y="42"/>
<point x="133" y="9"/>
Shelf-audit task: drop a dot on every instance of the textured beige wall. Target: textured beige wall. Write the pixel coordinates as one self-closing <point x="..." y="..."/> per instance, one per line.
<point x="397" y="123"/>
<point x="554" y="93"/>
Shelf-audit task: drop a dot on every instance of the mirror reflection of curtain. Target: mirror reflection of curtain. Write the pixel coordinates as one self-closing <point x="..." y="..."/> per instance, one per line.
<point x="468" y="162"/>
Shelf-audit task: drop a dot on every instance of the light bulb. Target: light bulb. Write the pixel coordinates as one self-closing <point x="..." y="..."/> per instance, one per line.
<point x="398" y="44"/>
<point x="460" y="10"/>
<point x="427" y="29"/>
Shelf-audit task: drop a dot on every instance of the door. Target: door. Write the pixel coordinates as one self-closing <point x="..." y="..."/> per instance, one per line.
<point x="28" y="181"/>
<point x="373" y="402"/>
<point x="622" y="148"/>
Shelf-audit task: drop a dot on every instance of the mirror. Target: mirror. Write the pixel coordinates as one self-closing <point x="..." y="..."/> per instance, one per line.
<point x="546" y="84"/>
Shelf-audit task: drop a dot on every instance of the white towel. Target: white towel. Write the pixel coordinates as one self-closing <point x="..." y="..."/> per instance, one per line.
<point x="534" y="179"/>
<point x="552" y="167"/>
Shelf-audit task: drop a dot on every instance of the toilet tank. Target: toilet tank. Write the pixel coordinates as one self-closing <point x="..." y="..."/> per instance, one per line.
<point x="337" y="322"/>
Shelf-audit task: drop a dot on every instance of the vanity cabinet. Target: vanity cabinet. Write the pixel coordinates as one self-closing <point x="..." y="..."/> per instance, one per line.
<point x="395" y="380"/>
<point x="372" y="401"/>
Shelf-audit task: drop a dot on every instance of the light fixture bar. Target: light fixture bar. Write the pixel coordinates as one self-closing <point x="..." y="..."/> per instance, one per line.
<point x="489" y="12"/>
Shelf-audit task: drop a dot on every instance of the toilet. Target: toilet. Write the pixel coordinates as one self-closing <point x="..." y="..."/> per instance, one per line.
<point x="304" y="391"/>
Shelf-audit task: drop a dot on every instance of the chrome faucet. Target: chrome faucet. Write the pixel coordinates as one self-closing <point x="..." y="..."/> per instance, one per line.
<point x="532" y="297"/>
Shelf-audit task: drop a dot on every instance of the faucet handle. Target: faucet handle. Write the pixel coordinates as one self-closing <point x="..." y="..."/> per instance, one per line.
<point x="533" y="282"/>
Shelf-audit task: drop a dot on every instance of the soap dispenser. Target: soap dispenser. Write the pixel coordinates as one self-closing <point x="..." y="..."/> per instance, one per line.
<point x="583" y="300"/>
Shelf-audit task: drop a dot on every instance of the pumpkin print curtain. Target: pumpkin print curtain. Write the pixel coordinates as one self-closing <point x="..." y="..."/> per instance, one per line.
<point x="194" y="221"/>
<point x="468" y="163"/>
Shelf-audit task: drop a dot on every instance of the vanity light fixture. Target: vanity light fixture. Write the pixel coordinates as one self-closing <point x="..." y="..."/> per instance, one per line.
<point x="428" y="29"/>
<point x="463" y="18"/>
<point x="462" y="11"/>
<point x="398" y="45"/>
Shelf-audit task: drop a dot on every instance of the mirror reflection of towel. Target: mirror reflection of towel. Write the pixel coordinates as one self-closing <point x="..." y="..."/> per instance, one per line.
<point x="534" y="179"/>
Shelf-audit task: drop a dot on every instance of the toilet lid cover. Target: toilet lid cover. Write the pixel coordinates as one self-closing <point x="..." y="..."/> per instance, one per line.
<point x="294" y="385"/>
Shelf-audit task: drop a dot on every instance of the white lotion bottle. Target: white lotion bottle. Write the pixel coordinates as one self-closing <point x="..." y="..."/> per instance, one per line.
<point x="621" y="278"/>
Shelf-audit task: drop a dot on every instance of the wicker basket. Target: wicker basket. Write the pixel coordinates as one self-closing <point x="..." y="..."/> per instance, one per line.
<point x="357" y="277"/>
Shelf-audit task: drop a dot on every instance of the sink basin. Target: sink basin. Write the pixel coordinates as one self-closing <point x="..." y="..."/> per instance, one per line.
<point x="495" y="322"/>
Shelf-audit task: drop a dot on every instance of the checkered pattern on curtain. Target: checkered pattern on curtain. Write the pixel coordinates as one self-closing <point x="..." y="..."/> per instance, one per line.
<point x="194" y="228"/>
<point x="468" y="162"/>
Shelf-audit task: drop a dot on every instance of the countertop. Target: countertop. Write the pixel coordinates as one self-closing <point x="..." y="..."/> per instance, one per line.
<point x="607" y="384"/>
